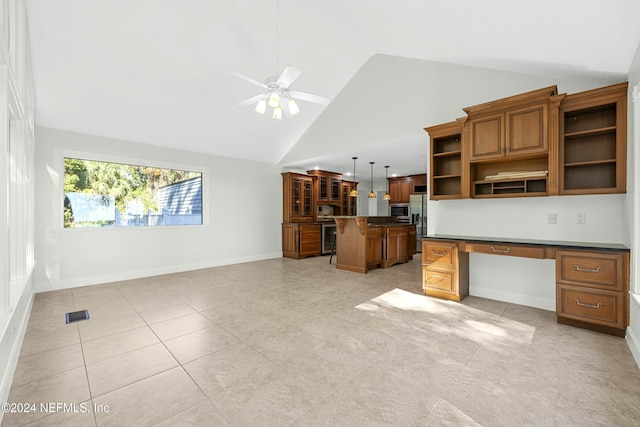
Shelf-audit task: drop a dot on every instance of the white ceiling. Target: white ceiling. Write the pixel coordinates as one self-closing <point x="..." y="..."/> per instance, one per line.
<point x="156" y="71"/>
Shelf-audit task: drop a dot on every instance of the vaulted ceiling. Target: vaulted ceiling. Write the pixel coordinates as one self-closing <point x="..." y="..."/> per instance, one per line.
<point x="156" y="71"/>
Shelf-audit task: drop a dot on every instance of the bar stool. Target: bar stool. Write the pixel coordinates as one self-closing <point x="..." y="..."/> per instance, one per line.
<point x="333" y="247"/>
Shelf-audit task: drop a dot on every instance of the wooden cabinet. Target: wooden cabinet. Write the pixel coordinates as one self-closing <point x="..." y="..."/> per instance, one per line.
<point x="512" y="145"/>
<point x="536" y="143"/>
<point x="399" y="189"/>
<point x="522" y="131"/>
<point x="592" y="290"/>
<point x="513" y="126"/>
<point x="297" y="198"/>
<point x="396" y="241"/>
<point x="445" y="270"/>
<point x="301" y="240"/>
<point x="412" y="241"/>
<point x="374" y="247"/>
<point x="593" y="141"/>
<point x="327" y="186"/>
<point x="418" y="184"/>
<point x="349" y="204"/>
<point x="447" y="173"/>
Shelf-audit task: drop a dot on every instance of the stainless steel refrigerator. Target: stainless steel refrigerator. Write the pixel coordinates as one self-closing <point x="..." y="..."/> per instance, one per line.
<point x="418" y="213"/>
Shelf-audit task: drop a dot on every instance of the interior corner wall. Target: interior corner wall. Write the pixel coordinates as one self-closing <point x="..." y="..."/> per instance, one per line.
<point x="632" y="206"/>
<point x="245" y="211"/>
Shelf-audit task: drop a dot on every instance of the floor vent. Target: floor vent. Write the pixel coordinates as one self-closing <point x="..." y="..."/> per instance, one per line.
<point x="76" y="316"/>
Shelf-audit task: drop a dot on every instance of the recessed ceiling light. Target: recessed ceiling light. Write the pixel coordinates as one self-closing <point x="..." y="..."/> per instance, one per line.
<point x="317" y="168"/>
<point x="394" y="174"/>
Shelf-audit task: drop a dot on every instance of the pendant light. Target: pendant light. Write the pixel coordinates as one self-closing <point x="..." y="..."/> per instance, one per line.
<point x="386" y="196"/>
<point x="372" y="195"/>
<point x="354" y="192"/>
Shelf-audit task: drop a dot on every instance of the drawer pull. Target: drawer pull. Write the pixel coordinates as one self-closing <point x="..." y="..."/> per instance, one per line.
<point x="438" y="253"/>
<point x="436" y="276"/>
<point x="587" y="305"/>
<point x="505" y="251"/>
<point x="587" y="270"/>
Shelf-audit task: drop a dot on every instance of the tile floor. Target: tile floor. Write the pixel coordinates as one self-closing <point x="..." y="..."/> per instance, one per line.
<point x="299" y="343"/>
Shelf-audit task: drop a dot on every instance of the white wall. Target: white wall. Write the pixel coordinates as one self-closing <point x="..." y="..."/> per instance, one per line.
<point x="632" y="206"/>
<point x="244" y="215"/>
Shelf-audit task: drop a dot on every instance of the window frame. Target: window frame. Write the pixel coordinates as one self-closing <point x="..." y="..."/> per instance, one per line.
<point x="57" y="213"/>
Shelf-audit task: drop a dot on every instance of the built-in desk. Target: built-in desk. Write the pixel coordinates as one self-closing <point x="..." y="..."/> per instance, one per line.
<point x="592" y="279"/>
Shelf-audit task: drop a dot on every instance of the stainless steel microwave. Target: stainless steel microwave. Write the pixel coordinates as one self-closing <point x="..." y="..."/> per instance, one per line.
<point x="402" y="211"/>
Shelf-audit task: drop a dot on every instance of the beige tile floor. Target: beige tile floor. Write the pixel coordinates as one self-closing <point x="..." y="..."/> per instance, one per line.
<point x="300" y="343"/>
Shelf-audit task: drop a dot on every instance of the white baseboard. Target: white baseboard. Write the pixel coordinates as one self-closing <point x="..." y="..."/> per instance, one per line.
<point x="117" y="276"/>
<point x="515" y="298"/>
<point x="634" y="344"/>
<point x="11" y="340"/>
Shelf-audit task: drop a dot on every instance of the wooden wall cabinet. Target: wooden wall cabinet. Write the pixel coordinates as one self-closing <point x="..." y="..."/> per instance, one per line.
<point x="399" y="189"/>
<point x="593" y="141"/>
<point x="349" y="204"/>
<point x="517" y="132"/>
<point x="327" y="187"/>
<point x="297" y="198"/>
<point x="536" y="143"/>
<point x="447" y="172"/>
<point x="418" y="183"/>
<point x="301" y="240"/>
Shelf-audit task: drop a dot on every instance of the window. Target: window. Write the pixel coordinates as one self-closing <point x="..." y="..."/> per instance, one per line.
<point x="106" y="194"/>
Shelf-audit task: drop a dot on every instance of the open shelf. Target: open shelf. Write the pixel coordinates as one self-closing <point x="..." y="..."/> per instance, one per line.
<point x="590" y="151"/>
<point x="506" y="188"/>
<point x="446" y="166"/>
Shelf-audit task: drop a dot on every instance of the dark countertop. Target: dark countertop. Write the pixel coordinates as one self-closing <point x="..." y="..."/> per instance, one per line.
<point x="558" y="243"/>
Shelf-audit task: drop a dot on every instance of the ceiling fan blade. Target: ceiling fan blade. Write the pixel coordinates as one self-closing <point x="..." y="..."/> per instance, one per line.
<point x="248" y="79"/>
<point x="252" y="100"/>
<point x="289" y="74"/>
<point x="304" y="96"/>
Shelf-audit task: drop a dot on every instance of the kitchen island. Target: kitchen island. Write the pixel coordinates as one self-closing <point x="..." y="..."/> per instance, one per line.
<point x="363" y="242"/>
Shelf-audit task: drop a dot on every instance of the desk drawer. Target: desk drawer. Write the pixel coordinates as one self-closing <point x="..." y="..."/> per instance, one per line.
<point x="433" y="279"/>
<point x="440" y="254"/>
<point x="591" y="305"/>
<point x="506" y="249"/>
<point x="591" y="269"/>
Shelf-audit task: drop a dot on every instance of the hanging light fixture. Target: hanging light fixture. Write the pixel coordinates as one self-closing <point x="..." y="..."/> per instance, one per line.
<point x="354" y="192"/>
<point x="372" y="195"/>
<point x="386" y="196"/>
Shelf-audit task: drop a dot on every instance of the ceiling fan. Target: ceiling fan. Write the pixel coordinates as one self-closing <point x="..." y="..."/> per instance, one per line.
<point x="278" y="94"/>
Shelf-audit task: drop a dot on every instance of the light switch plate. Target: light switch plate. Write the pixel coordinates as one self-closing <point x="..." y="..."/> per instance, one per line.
<point x="552" y="218"/>
<point x="580" y="218"/>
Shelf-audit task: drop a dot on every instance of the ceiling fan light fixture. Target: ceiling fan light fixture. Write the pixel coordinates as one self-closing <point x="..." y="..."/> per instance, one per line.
<point x="261" y="106"/>
<point x="293" y="107"/>
<point x="277" y="113"/>
<point x="274" y="100"/>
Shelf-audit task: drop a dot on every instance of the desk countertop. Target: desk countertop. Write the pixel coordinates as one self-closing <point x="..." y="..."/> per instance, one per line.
<point x="556" y="243"/>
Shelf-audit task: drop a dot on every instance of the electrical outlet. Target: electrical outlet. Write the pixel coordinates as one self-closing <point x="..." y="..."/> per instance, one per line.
<point x="552" y="218"/>
<point x="580" y="218"/>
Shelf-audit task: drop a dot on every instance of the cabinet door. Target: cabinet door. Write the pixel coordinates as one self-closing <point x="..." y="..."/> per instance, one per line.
<point x="374" y="247"/>
<point x="323" y="188"/>
<point x="391" y="247"/>
<point x="301" y="200"/>
<point x="527" y="131"/>
<point x="405" y="190"/>
<point x="336" y="185"/>
<point x="412" y="241"/>
<point x="487" y="137"/>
